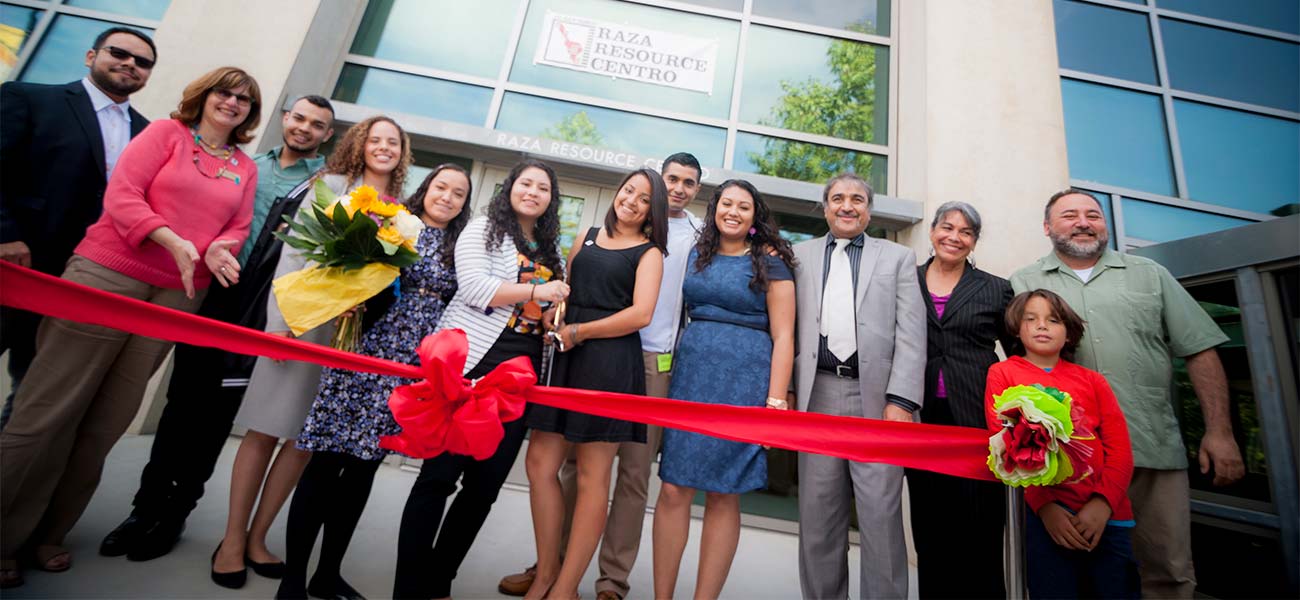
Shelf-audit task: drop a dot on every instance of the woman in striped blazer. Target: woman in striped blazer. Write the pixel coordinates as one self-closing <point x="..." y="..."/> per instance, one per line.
<point x="509" y="270"/>
<point x="965" y="309"/>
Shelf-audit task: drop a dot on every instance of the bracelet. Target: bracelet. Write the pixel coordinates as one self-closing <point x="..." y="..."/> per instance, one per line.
<point x="574" y="332"/>
<point x="532" y="292"/>
<point x="779" y="403"/>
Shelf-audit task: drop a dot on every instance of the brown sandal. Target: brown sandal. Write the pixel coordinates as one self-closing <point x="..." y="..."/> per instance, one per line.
<point x="10" y="575"/>
<point x="52" y="558"/>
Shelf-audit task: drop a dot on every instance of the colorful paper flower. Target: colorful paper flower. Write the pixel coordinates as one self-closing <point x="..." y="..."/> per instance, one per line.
<point x="1035" y="445"/>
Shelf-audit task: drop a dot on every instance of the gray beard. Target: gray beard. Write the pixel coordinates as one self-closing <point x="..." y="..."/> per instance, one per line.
<point x="1068" y="247"/>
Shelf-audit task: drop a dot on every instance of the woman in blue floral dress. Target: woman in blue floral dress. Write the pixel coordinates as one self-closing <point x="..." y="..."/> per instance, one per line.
<point x="738" y="349"/>
<point x="351" y="412"/>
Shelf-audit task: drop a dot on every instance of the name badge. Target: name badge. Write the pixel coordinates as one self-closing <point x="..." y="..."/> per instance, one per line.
<point x="665" y="362"/>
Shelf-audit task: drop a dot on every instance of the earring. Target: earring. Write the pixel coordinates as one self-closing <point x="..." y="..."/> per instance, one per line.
<point x="752" y="231"/>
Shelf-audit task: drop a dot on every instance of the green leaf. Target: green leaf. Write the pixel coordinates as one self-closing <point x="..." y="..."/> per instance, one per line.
<point x="324" y="196"/>
<point x="341" y="218"/>
<point x="389" y="248"/>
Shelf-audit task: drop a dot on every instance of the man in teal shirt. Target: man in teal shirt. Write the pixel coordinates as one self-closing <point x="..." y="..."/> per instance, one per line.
<point x="1138" y="316"/>
<point x="207" y="385"/>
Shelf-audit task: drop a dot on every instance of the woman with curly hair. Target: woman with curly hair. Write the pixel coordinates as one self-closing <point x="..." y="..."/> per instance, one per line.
<point x="739" y="292"/>
<point x="179" y="200"/>
<point x="509" y="269"/>
<point x="615" y="272"/>
<point x="376" y="153"/>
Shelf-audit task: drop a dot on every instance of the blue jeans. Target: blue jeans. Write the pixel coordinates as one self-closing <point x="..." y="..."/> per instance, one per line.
<point x="1108" y="571"/>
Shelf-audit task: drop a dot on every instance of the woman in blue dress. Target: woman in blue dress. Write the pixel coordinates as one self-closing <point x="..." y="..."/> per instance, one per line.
<point x="351" y="412"/>
<point x="738" y="349"/>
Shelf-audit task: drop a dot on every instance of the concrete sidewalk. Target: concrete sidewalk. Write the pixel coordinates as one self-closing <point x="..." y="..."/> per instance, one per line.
<point x="766" y="564"/>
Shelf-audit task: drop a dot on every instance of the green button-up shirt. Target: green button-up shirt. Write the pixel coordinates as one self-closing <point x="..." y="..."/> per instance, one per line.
<point x="1137" y="315"/>
<point x="274" y="182"/>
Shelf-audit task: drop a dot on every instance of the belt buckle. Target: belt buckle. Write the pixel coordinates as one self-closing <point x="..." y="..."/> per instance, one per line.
<point x="844" y="371"/>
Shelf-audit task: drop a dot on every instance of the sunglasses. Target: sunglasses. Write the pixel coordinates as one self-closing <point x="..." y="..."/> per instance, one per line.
<point x="224" y="94"/>
<point x="120" y="54"/>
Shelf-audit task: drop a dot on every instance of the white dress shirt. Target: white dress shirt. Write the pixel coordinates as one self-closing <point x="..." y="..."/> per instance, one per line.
<point x="114" y="124"/>
<point x="660" y="335"/>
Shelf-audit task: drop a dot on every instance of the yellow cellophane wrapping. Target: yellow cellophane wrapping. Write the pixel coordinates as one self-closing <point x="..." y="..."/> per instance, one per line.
<point x="312" y="296"/>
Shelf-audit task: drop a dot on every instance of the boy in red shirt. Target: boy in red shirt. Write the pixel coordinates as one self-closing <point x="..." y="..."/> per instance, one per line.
<point x="1078" y="536"/>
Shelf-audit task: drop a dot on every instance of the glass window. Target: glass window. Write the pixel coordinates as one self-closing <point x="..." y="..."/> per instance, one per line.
<point x="16" y="25"/>
<point x="1237" y="66"/>
<point x="61" y="57"/>
<point x="803" y="161"/>
<point x="145" y="9"/>
<point x="1161" y="223"/>
<point x="816" y="84"/>
<point x="595" y="126"/>
<point x="1281" y="15"/>
<point x="1104" y="41"/>
<point x="1117" y="137"/>
<point x="736" y="5"/>
<point x="866" y="16"/>
<point x="716" y="104"/>
<point x="1239" y="159"/>
<point x="412" y="94"/>
<point x="437" y="35"/>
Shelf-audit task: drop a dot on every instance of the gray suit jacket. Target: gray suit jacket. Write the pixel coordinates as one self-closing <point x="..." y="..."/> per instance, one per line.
<point x="890" y="323"/>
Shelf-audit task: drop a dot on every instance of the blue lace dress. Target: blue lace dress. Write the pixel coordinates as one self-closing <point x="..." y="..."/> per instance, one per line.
<point x="724" y="357"/>
<point x="351" y="408"/>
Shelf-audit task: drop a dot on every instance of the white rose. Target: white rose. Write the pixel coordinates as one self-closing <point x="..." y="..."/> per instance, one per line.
<point x="408" y="225"/>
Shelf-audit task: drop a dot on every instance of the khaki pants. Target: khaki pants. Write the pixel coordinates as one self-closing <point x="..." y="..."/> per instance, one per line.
<point x="80" y="394"/>
<point x="622" y="539"/>
<point x="1162" y="539"/>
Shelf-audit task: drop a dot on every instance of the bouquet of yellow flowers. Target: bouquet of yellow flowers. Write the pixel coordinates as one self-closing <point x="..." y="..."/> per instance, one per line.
<point x="359" y="243"/>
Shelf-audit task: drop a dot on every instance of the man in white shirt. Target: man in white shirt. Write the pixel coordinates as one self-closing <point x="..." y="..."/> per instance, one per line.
<point x="58" y="147"/>
<point x="622" y="539"/>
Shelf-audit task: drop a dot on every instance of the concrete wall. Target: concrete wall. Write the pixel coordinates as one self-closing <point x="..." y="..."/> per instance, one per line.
<point x="980" y="120"/>
<point x="263" y="38"/>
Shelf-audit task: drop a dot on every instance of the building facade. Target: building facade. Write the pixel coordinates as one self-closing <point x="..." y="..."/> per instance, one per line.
<point x="1181" y="116"/>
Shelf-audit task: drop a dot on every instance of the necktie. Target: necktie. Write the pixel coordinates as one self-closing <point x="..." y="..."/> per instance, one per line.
<point x="114" y="140"/>
<point x="839" y="324"/>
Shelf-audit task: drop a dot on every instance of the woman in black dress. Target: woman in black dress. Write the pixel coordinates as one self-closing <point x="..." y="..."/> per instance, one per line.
<point x="965" y="308"/>
<point x="615" y="273"/>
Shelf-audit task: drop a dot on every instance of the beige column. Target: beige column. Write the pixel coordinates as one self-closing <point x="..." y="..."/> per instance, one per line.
<point x="980" y="120"/>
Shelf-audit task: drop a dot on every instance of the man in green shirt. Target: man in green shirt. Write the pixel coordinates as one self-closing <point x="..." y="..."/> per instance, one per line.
<point x="1137" y="317"/>
<point x="207" y="385"/>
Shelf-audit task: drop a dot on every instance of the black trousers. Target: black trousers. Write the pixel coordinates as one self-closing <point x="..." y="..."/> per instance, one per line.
<point x="425" y="569"/>
<point x="195" y="422"/>
<point x="956" y="527"/>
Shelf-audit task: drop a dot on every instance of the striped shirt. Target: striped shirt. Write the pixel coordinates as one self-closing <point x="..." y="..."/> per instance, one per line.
<point x="480" y="271"/>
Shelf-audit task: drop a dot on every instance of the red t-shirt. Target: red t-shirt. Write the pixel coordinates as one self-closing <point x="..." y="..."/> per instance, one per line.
<point x="1112" y="456"/>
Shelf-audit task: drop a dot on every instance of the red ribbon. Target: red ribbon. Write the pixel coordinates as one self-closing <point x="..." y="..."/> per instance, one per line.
<point x="448" y="413"/>
<point x="960" y="451"/>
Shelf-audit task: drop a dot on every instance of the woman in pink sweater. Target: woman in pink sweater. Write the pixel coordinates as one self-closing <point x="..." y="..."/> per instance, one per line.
<point x="180" y="200"/>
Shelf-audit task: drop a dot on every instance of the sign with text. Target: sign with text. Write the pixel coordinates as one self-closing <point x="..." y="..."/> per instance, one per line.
<point x="627" y="52"/>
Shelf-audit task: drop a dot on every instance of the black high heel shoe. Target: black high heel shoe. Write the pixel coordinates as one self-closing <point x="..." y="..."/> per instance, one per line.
<point x="233" y="581"/>
<point x="273" y="570"/>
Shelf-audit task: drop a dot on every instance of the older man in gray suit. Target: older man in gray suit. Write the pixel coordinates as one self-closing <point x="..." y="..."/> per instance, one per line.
<point x="860" y="352"/>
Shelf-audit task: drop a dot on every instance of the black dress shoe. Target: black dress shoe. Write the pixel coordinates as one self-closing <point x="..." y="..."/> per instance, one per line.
<point x="233" y="580"/>
<point x="157" y="540"/>
<point x="273" y="570"/>
<point x="121" y="540"/>
<point x="333" y="590"/>
<point x="291" y="590"/>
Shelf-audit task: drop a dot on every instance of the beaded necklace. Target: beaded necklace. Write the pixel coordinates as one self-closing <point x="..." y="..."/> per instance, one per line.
<point x="227" y="153"/>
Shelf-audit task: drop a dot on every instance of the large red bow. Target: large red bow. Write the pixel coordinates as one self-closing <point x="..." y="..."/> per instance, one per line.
<point x="448" y="413"/>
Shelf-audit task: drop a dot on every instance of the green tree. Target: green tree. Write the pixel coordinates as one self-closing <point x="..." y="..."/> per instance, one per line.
<point x="576" y="128"/>
<point x="844" y="108"/>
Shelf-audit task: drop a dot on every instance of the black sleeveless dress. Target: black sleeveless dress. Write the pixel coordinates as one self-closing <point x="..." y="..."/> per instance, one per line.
<point x="601" y="283"/>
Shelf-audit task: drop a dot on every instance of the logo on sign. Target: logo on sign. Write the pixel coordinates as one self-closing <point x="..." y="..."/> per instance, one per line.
<point x="625" y="52"/>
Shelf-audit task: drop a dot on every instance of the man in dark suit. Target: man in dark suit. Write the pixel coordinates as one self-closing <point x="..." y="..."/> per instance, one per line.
<point x="58" y="147"/>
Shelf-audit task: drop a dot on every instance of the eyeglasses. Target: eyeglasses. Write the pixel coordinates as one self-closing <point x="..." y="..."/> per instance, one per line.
<point x="224" y="94"/>
<point x="120" y="54"/>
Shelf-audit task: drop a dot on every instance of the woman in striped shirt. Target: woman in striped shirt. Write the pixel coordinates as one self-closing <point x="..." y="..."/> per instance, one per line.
<point x="509" y="269"/>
